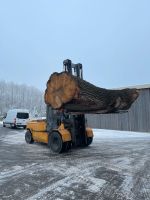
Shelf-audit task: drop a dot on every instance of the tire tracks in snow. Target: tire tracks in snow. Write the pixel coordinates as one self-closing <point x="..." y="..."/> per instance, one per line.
<point x="82" y="174"/>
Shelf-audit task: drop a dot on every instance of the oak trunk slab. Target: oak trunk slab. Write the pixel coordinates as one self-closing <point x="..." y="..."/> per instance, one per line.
<point x="76" y="95"/>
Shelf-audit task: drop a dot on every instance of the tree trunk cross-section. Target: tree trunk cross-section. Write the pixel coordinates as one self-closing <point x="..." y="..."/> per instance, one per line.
<point x="76" y="95"/>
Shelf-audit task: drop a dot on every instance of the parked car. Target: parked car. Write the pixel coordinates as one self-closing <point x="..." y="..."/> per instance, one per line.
<point x="16" y="118"/>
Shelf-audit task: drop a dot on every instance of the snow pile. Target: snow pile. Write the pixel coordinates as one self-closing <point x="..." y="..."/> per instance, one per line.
<point x="114" y="134"/>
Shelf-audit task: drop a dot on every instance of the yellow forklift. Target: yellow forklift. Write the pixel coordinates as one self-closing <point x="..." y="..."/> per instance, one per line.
<point x="61" y="130"/>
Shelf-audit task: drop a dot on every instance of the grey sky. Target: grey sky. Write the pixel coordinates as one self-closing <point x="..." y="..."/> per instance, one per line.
<point x="110" y="38"/>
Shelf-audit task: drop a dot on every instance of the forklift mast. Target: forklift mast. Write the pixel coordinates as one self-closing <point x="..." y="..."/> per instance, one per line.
<point x="73" y="69"/>
<point x="76" y="122"/>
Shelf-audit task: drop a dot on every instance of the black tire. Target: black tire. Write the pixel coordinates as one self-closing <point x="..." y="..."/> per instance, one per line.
<point x="28" y="137"/>
<point x="4" y="124"/>
<point x="55" y="142"/>
<point x="89" y="141"/>
<point x="13" y="126"/>
<point x="66" y="146"/>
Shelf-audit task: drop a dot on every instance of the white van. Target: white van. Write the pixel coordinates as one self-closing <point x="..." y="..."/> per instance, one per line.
<point x="16" y="118"/>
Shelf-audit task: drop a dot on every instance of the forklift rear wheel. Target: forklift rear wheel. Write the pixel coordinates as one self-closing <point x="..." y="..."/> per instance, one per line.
<point x="56" y="143"/>
<point x="89" y="140"/>
<point x="28" y="137"/>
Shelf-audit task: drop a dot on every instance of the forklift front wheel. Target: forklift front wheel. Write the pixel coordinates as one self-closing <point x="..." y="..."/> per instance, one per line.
<point x="89" y="140"/>
<point x="55" y="142"/>
<point x="28" y="137"/>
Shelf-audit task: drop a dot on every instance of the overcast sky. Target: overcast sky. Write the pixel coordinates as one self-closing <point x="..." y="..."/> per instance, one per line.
<point x="111" y="38"/>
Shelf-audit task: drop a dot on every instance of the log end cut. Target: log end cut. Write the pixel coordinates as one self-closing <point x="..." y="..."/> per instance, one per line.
<point x="126" y="98"/>
<point x="61" y="88"/>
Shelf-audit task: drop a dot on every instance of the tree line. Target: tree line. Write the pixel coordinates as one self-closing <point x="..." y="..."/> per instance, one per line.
<point x="13" y="95"/>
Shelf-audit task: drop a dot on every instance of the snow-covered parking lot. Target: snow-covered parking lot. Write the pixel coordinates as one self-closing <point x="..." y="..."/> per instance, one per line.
<point x="115" y="167"/>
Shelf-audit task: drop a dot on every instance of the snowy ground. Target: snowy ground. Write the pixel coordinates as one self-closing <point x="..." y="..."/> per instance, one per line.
<point x="115" y="167"/>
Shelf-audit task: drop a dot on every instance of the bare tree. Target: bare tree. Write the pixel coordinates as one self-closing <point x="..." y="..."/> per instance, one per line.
<point x="21" y="96"/>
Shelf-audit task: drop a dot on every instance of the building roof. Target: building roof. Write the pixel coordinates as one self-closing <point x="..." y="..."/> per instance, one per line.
<point x="140" y="87"/>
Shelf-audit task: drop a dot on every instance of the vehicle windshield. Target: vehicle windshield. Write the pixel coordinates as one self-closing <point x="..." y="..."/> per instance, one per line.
<point x="22" y="115"/>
